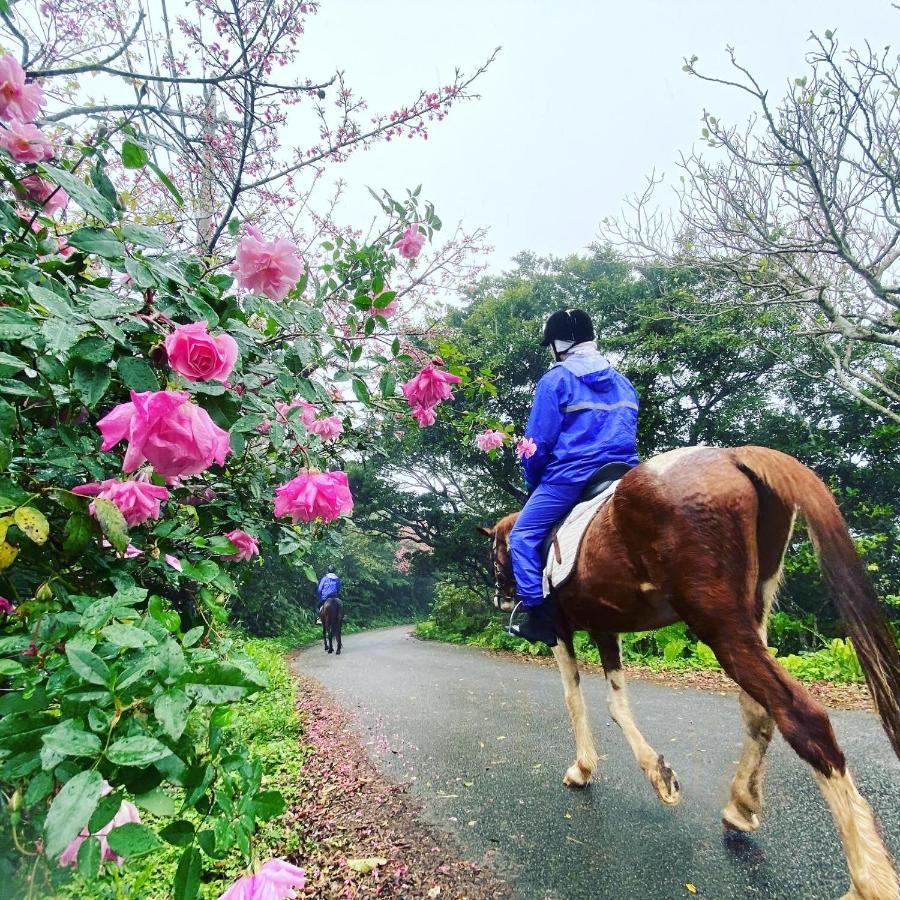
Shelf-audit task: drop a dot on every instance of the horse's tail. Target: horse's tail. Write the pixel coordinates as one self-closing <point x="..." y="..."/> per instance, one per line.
<point x="799" y="487"/>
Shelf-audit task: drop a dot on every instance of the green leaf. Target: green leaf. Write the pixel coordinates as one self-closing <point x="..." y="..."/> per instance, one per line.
<point x="70" y="810"/>
<point x="168" y="618"/>
<point x="91" y="382"/>
<point x="99" y="241"/>
<point x="360" y="388"/>
<point x="89" y="858"/>
<point x="9" y="361"/>
<point x="77" y="534"/>
<point x="387" y="384"/>
<point x="140" y="274"/>
<point x="128" y="636"/>
<point x="39" y="788"/>
<point x="69" y="740"/>
<point x="137" y="374"/>
<point x="10" y="667"/>
<point x="143" y="235"/>
<point x="133" y="839"/>
<point x="90" y="200"/>
<point x="179" y="833"/>
<point x="157" y="802"/>
<point x="191" y="637"/>
<point x="187" y="875"/>
<point x="268" y="804"/>
<point x="170" y="187"/>
<point x="59" y="335"/>
<point x="171" y="710"/>
<point x="134" y="156"/>
<point x="138" y="750"/>
<point x="205" y="570"/>
<point x="112" y="523"/>
<point x="15" y="324"/>
<point x="88" y="665"/>
<point x="105" y="811"/>
<point x="92" y="349"/>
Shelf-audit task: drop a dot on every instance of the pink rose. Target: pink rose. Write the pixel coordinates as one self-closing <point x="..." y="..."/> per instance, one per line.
<point x="409" y="244"/>
<point x="64" y="249"/>
<point x="18" y="101"/>
<point x="307" y="417"/>
<point x="275" y="880"/>
<point x="264" y="427"/>
<point x="164" y="428"/>
<point x="327" y="428"/>
<point x="267" y="267"/>
<point x="314" y="495"/>
<point x="200" y="356"/>
<point x="246" y="545"/>
<point x="526" y="448"/>
<point x="425" y="416"/>
<point x="429" y="387"/>
<point x="489" y="439"/>
<point x="174" y="562"/>
<point x="137" y="500"/>
<point x="26" y="143"/>
<point x="127" y="813"/>
<point x="6" y="607"/>
<point x="45" y="194"/>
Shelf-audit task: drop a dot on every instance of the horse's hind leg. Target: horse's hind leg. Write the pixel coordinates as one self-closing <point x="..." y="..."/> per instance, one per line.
<point x="663" y="779"/>
<point x="741" y="812"/>
<point x="806" y="727"/>
<point x="579" y="773"/>
<point x="339" y="627"/>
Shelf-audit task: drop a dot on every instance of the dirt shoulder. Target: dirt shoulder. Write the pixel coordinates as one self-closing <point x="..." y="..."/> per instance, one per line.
<point x="363" y="835"/>
<point x="835" y="696"/>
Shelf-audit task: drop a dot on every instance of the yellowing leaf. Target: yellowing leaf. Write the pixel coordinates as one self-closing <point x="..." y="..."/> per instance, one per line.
<point x="366" y="865"/>
<point x="5" y="522"/>
<point x="692" y="888"/>
<point x="8" y="553"/>
<point x="33" y="523"/>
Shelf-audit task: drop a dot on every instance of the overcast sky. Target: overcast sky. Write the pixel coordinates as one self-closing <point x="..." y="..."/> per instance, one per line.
<point x="585" y="99"/>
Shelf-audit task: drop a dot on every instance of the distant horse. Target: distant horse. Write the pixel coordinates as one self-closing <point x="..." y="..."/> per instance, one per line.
<point x="699" y="535"/>
<point x="332" y="618"/>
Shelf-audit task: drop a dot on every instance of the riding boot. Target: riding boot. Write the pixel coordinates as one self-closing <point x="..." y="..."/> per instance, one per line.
<point x="540" y="624"/>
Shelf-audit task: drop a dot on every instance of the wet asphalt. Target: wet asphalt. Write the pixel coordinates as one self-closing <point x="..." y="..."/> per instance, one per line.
<point x="484" y="741"/>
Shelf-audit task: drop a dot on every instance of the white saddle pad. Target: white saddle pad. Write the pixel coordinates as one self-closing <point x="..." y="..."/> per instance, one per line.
<point x="564" y="549"/>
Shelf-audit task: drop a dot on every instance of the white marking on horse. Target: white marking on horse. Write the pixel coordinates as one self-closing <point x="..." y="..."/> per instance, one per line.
<point x="586" y="758"/>
<point x="648" y="586"/>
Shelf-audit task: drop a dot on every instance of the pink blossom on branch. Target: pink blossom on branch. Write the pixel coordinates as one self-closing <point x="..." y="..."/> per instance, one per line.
<point x="246" y="546"/>
<point x="314" y="495"/>
<point x="489" y="439"/>
<point x="18" y="101"/>
<point x="26" y="143"/>
<point x="200" y="356"/>
<point x="138" y="501"/>
<point x="127" y="812"/>
<point x="327" y="428"/>
<point x="430" y="387"/>
<point x="164" y="428"/>
<point x="526" y="448"/>
<point x="43" y="193"/>
<point x="409" y="244"/>
<point x="267" y="267"/>
<point x="425" y="416"/>
<point x="275" y="880"/>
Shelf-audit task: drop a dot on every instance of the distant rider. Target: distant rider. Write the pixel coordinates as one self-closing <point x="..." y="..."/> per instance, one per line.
<point x="329" y="586"/>
<point x="584" y="416"/>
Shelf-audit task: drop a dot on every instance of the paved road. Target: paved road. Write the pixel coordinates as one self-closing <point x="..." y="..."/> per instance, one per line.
<point x="484" y="743"/>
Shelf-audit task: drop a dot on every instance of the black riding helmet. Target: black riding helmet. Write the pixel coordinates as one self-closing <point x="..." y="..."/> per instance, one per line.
<point x="568" y="325"/>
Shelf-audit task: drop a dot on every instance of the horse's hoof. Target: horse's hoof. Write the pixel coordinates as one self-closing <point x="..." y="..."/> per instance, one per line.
<point x="733" y="819"/>
<point x="337" y="652"/>
<point x="576" y="776"/>
<point x="665" y="782"/>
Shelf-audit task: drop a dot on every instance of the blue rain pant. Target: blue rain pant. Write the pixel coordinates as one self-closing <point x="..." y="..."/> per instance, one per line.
<point x="545" y="507"/>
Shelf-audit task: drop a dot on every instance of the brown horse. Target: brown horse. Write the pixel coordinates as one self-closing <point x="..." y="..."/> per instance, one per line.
<point x="332" y="617"/>
<point x="699" y="535"/>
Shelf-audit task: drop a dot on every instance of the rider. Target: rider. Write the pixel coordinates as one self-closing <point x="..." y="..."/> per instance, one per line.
<point x="329" y="586"/>
<point x="584" y="416"/>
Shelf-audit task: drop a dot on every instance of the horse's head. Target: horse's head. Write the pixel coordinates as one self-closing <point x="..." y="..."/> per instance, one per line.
<point x="501" y="562"/>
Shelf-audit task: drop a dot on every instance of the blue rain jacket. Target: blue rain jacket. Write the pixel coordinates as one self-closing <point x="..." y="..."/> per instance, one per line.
<point x="329" y="586"/>
<point x="584" y="416"/>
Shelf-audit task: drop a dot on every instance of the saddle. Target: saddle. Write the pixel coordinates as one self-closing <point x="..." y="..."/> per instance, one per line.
<point x="600" y="483"/>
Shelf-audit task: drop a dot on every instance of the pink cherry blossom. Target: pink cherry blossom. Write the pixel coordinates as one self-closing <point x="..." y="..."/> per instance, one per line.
<point x="127" y="813"/>
<point x="26" y="143"/>
<point x="267" y="267"/>
<point x="18" y="101"/>
<point x="526" y="448"/>
<point x="489" y="439"/>
<point x="6" y="607"/>
<point x="44" y="193"/>
<point x="174" y="562"/>
<point x="246" y="545"/>
<point x="200" y="356"/>
<point x="409" y="244"/>
<point x="275" y="880"/>
<point x="164" y="428"/>
<point x="314" y="495"/>
<point x="425" y="416"/>
<point x="327" y="428"/>
<point x="138" y="501"/>
<point x="429" y="387"/>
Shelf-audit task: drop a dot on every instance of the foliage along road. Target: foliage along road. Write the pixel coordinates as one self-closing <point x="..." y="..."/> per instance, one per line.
<point x="484" y="741"/>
